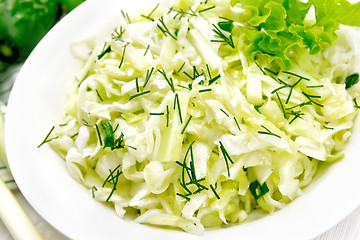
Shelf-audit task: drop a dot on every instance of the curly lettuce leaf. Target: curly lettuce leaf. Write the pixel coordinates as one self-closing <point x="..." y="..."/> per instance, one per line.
<point x="277" y="27"/>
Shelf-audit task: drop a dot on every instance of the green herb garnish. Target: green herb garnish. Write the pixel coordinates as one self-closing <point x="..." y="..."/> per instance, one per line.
<point x="169" y="81"/>
<point x="163" y="28"/>
<point x="237" y="124"/>
<point x="98" y="94"/>
<point x="226" y="25"/>
<point x="177" y="102"/>
<point x="226" y="157"/>
<point x="224" y="112"/>
<point x="223" y="37"/>
<point x="189" y="171"/>
<point x="206" y="9"/>
<point x="104" y="51"/>
<point x="268" y="132"/>
<point x="149" y="15"/>
<point x="258" y="190"/>
<point x="113" y="179"/>
<point x="205" y="90"/>
<point x="156" y="114"/>
<point x="122" y="56"/>
<point x="46" y="140"/>
<point x="215" y="193"/>
<point x="139" y="94"/>
<point x="148" y="75"/>
<point x="351" y="80"/>
<point x="98" y="133"/>
<point x="186" y="124"/>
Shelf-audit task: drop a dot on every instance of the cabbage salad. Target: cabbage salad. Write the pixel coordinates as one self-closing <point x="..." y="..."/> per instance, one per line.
<point x="193" y="116"/>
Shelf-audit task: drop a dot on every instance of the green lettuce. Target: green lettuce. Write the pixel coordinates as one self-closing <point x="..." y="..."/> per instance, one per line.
<point x="277" y="28"/>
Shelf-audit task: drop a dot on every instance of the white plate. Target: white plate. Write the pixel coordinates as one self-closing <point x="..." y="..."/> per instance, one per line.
<point x="36" y="104"/>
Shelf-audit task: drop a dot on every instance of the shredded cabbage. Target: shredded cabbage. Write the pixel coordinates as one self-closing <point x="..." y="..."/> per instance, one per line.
<point x="172" y="123"/>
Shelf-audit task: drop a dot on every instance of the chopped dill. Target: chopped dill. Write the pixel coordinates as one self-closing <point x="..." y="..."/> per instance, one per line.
<point x="139" y="94"/>
<point x="148" y="75"/>
<point x="226" y="156"/>
<point x="98" y="94"/>
<point x="268" y="132"/>
<point x="223" y="37"/>
<point x="206" y="9"/>
<point x="46" y="140"/>
<point x="149" y="15"/>
<point x="104" y="51"/>
<point x="163" y="28"/>
<point x="237" y="124"/>
<point x="122" y="56"/>
<point x="205" y="90"/>
<point x="169" y="81"/>
<point x="215" y="193"/>
<point x="224" y="112"/>
<point x="186" y="124"/>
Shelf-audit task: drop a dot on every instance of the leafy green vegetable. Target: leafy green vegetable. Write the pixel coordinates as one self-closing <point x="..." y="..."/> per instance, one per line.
<point x="22" y="24"/>
<point x="69" y="5"/>
<point x="278" y="27"/>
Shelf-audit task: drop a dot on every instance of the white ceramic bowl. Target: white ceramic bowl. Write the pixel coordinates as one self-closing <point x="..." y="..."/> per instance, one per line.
<point x="36" y="104"/>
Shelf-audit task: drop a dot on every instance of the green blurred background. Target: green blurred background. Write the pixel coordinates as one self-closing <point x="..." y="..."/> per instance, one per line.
<point x="24" y="22"/>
